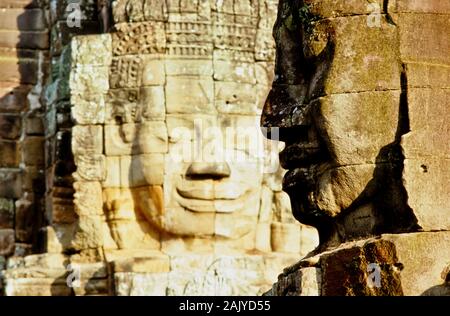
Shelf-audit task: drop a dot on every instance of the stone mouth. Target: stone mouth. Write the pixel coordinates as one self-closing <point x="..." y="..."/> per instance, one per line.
<point x="298" y="178"/>
<point x="301" y="155"/>
<point x="204" y="198"/>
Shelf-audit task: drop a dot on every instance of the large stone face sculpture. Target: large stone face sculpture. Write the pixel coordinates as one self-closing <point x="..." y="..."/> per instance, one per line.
<point x="361" y="100"/>
<point x="181" y="169"/>
<point x="174" y="189"/>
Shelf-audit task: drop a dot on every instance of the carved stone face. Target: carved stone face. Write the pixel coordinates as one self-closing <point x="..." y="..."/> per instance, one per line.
<point x="182" y="122"/>
<point x="343" y="105"/>
<point x="211" y="178"/>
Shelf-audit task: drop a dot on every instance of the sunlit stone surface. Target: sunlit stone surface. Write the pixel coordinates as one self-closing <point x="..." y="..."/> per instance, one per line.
<point x="159" y="180"/>
<point x="361" y="98"/>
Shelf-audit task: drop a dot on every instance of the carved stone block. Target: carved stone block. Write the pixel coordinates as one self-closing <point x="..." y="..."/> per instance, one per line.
<point x="153" y="72"/>
<point x="140" y="38"/>
<point x="129" y="234"/>
<point x="153" y="103"/>
<point x="126" y="72"/>
<point x="132" y="284"/>
<point x="189" y="95"/>
<point x="142" y="170"/>
<point x="85" y="50"/>
<point x="285" y="237"/>
<point x="87" y="140"/>
<point x="435" y="43"/>
<point x="235" y="98"/>
<point x="382" y="107"/>
<point x="112" y="172"/>
<point x="234" y="72"/>
<point x="132" y="139"/>
<point x="177" y="66"/>
<point x="88" y="109"/>
<point x="88" y="198"/>
<point x="89" y="80"/>
<point x="90" y="167"/>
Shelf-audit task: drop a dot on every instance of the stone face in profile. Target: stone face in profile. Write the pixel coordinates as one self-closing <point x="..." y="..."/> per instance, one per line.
<point x="361" y="109"/>
<point x="361" y="100"/>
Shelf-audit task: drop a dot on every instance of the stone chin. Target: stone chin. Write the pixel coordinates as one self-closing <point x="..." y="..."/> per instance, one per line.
<point x="305" y="209"/>
<point x="322" y="195"/>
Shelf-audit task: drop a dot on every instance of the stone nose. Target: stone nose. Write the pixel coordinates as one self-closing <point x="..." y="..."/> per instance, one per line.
<point x="285" y="116"/>
<point x="214" y="170"/>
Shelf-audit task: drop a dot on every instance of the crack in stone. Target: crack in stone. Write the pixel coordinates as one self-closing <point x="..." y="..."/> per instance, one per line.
<point x="404" y="121"/>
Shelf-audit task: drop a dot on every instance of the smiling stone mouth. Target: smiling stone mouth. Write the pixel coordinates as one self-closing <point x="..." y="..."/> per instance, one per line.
<point x="229" y="198"/>
<point x="210" y="193"/>
<point x="211" y="206"/>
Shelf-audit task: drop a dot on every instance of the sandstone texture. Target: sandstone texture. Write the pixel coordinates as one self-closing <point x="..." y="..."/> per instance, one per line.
<point x="132" y="160"/>
<point x="400" y="264"/>
<point x="361" y="93"/>
<point x="155" y="176"/>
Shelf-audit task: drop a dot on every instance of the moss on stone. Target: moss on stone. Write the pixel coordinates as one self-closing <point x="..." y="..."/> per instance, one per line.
<point x="307" y="18"/>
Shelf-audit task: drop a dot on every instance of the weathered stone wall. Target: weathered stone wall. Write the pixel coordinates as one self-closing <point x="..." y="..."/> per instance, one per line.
<point x="24" y="67"/>
<point x="35" y="36"/>
<point x="163" y="66"/>
<point x="113" y="102"/>
<point x="92" y="204"/>
<point x="60" y="163"/>
<point x="369" y="86"/>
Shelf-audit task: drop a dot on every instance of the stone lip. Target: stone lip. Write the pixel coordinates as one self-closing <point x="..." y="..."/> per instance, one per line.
<point x="231" y="201"/>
